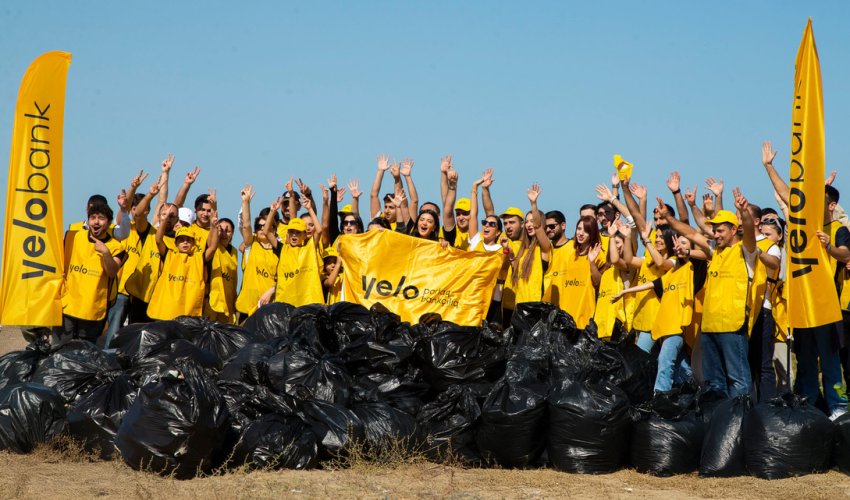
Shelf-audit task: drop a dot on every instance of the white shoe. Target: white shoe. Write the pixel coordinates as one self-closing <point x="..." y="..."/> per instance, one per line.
<point x="837" y="413"/>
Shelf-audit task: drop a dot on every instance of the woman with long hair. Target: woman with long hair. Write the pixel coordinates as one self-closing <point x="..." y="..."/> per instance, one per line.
<point x="574" y="274"/>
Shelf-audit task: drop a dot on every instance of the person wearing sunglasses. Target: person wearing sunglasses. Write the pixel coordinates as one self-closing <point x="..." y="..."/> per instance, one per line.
<point x="487" y="239"/>
<point x="556" y="227"/>
<point x="259" y="258"/>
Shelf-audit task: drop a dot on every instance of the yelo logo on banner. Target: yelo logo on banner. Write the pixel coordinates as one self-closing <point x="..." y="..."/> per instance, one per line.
<point x="32" y="244"/>
<point x="412" y="276"/>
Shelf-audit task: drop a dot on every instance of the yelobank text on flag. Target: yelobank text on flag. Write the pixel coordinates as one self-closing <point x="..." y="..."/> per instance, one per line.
<point x="412" y="276"/>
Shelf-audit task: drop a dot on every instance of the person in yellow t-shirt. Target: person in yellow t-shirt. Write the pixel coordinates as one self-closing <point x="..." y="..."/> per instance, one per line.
<point x="179" y="291"/>
<point x="220" y="303"/>
<point x="332" y="282"/>
<point x="615" y="277"/>
<point x="259" y="259"/>
<point x="91" y="272"/>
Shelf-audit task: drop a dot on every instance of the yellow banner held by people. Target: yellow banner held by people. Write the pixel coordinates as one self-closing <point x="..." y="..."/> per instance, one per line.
<point x="412" y="276"/>
<point x="810" y="276"/>
<point x="32" y="240"/>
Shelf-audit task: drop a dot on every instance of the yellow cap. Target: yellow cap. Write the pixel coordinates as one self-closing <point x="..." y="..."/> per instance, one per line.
<point x="724" y="216"/>
<point x="344" y="210"/>
<point x="462" y="204"/>
<point x="512" y="211"/>
<point x="624" y="168"/>
<point x="330" y="252"/>
<point x="184" y="231"/>
<point x="296" y="224"/>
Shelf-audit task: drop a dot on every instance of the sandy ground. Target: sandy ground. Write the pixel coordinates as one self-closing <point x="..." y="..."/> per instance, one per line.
<point x="48" y="473"/>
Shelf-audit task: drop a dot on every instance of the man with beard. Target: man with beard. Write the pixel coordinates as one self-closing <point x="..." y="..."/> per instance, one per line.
<point x="556" y="224"/>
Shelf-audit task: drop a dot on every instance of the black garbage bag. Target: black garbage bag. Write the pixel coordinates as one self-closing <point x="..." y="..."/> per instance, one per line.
<point x="30" y="413"/>
<point x="589" y="426"/>
<point x="136" y="341"/>
<point x="276" y="441"/>
<point x="336" y="427"/>
<point x="311" y="329"/>
<point x="387" y="429"/>
<point x="246" y="403"/>
<point x="350" y="322"/>
<point x="249" y="365"/>
<point x="723" y="447"/>
<point x="94" y="417"/>
<point x="303" y="375"/>
<point x="17" y="367"/>
<point x="270" y="321"/>
<point x="787" y="437"/>
<point x="631" y="369"/>
<point x="667" y="435"/>
<point x="449" y="354"/>
<point x="841" y="449"/>
<point x="176" y="425"/>
<point x="74" y="372"/>
<point x="403" y="392"/>
<point x="221" y="339"/>
<point x="149" y="368"/>
<point x="709" y="401"/>
<point x="448" y="424"/>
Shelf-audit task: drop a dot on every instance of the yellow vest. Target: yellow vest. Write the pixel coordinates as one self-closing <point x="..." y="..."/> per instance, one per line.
<point x="570" y="285"/>
<point x="133" y="246"/>
<point x="88" y="291"/>
<point x="298" y="276"/>
<point x="508" y="293"/>
<point x="607" y="313"/>
<point x="335" y="292"/>
<point x="525" y="290"/>
<point x="727" y="297"/>
<point x="691" y="331"/>
<point x="143" y="279"/>
<point x="179" y="291"/>
<point x="461" y="239"/>
<point x="259" y="266"/>
<point x="676" y="308"/>
<point x="222" y="282"/>
<point x="646" y="302"/>
<point x="201" y="237"/>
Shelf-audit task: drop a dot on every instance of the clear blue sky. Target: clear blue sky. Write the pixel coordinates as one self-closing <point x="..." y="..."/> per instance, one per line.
<point x="540" y="91"/>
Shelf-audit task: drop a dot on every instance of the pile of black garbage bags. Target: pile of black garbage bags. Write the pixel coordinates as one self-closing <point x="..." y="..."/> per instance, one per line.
<point x="296" y="387"/>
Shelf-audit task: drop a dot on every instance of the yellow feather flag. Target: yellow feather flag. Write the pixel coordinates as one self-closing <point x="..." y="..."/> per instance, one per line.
<point x="32" y="243"/>
<point x="412" y="276"/>
<point x="812" y="300"/>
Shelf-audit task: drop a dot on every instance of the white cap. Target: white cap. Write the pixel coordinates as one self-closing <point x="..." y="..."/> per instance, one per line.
<point x="185" y="215"/>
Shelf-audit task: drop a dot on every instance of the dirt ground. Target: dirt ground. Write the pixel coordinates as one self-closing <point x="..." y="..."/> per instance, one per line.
<point x="49" y="473"/>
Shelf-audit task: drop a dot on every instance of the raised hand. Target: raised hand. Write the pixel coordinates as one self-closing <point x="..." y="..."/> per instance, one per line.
<point x="288" y="185"/>
<point x="354" y="188"/>
<point x="831" y="178"/>
<point x="167" y="163"/>
<point x="139" y="179"/>
<point x="213" y="198"/>
<point x="306" y="204"/>
<point x="214" y="218"/>
<point x="332" y="181"/>
<point x="594" y="251"/>
<point x="383" y="162"/>
<point x="661" y="209"/>
<point x="673" y="181"/>
<point x="247" y="193"/>
<point x="740" y="201"/>
<point x="487" y="178"/>
<point x="304" y="188"/>
<point x="707" y="204"/>
<point x="623" y="228"/>
<point x="644" y="235"/>
<point x="767" y="153"/>
<point x="340" y="194"/>
<point x="691" y="196"/>
<point x="714" y="185"/>
<point x="615" y="180"/>
<point x="276" y="204"/>
<point x="325" y="194"/>
<point x="445" y="163"/>
<point x="154" y="190"/>
<point x="603" y="193"/>
<point x="398" y="199"/>
<point x="192" y="176"/>
<point x="395" y="170"/>
<point x="452" y="174"/>
<point x="638" y="190"/>
<point x="122" y="198"/>
<point x="406" y="165"/>
<point x="534" y="193"/>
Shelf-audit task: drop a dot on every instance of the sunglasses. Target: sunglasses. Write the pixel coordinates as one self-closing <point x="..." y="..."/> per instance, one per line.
<point x="490" y="223"/>
<point x="551" y="226"/>
<point x="349" y="223"/>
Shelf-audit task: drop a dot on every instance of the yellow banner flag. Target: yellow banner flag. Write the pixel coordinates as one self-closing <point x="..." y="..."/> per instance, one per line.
<point x="32" y="240"/>
<point x="412" y="276"/>
<point x="812" y="300"/>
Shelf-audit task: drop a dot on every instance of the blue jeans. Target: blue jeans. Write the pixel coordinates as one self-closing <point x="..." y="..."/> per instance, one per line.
<point x="818" y="344"/>
<point x="724" y="362"/>
<point x="645" y="342"/>
<point x="673" y="364"/>
<point x="115" y="317"/>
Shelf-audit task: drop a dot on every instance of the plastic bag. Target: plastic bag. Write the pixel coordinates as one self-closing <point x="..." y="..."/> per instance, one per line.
<point x="270" y="321"/>
<point x="30" y="413"/>
<point x="667" y="436"/>
<point x="221" y="339"/>
<point x="94" y="418"/>
<point x="249" y="365"/>
<point x="513" y="423"/>
<point x="723" y="447"/>
<point x="276" y="441"/>
<point x="176" y="425"/>
<point x="589" y="427"/>
<point x="156" y="362"/>
<point x="787" y="437"/>
<point x="336" y="427"/>
<point x="387" y="428"/>
<point x="136" y="341"/>
<point x="247" y="403"/>
<point x="310" y="329"/>
<point x="73" y="372"/>
<point x="17" y="367"/>
<point x="448" y="424"/>
<point x="302" y="375"/>
<point x="634" y="370"/>
<point x="842" y="443"/>
<point x="403" y="392"/>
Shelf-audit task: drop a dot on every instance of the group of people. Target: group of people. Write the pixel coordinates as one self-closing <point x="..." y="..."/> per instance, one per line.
<point x="705" y="295"/>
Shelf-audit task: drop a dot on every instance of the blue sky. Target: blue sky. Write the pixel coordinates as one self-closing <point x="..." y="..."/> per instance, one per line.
<point x="540" y="91"/>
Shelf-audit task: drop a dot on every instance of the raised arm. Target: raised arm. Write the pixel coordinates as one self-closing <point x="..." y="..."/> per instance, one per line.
<point x="657" y="258"/>
<point x="473" y="203"/>
<point x="449" y="200"/>
<point x="699" y="217"/>
<point x="486" y="200"/>
<point x="445" y="166"/>
<point x="354" y="189"/>
<point x="291" y="211"/>
<point x="539" y="221"/>
<point x="595" y="273"/>
<point x="160" y="231"/>
<point x="629" y="192"/>
<point x="212" y="239"/>
<point x="684" y="229"/>
<point x="162" y="198"/>
<point x="605" y="194"/>
<point x="779" y="185"/>
<point x="331" y="279"/>
<point x="139" y="217"/>
<point x="375" y="194"/>
<point x="330" y="212"/>
<point x="673" y="183"/>
<point x="268" y="225"/>
<point x="413" y="196"/>
<point x="317" y="231"/>
<point x="245" y="225"/>
<point x="716" y="187"/>
<point x="190" y="179"/>
<point x="749" y="236"/>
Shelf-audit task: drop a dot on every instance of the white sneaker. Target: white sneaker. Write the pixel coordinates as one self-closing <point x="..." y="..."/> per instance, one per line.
<point x="837" y="413"/>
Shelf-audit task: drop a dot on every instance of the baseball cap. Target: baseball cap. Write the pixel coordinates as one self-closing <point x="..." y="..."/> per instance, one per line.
<point x="345" y="210"/>
<point x="184" y="231"/>
<point x="462" y="204"/>
<point x="185" y="215"/>
<point x="724" y="216"/>
<point x="512" y="211"/>
<point x="330" y="252"/>
<point x="296" y="224"/>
